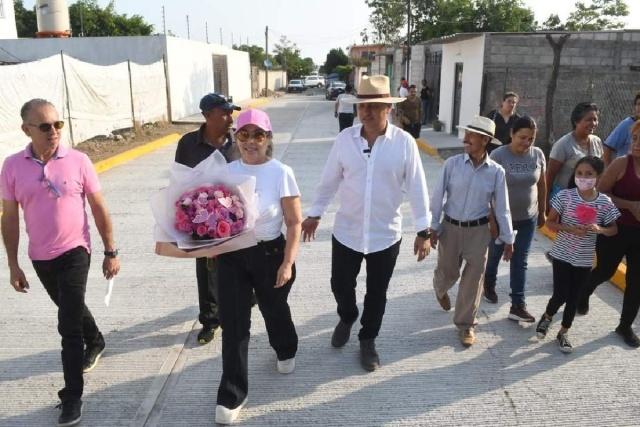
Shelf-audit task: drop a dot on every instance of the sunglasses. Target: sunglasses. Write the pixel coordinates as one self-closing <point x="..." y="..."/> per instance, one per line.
<point x="258" y="136"/>
<point x="53" y="190"/>
<point x="46" y="127"/>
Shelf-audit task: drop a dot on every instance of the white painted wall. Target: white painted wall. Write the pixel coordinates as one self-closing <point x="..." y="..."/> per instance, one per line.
<point x="277" y="79"/>
<point x="239" y="70"/>
<point x="471" y="54"/>
<point x="7" y="21"/>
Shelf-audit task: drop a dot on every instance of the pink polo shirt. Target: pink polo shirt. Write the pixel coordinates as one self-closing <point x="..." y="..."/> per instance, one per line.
<point x="55" y="215"/>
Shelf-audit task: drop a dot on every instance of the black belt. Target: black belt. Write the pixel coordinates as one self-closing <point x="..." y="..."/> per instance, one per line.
<point x="271" y="244"/>
<point x="472" y="223"/>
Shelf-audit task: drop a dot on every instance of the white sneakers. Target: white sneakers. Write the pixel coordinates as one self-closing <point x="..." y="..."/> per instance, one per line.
<point x="225" y="415"/>
<point x="286" y="366"/>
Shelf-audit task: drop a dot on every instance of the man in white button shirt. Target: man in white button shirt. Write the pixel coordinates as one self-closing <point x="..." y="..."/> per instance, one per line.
<point x="471" y="183"/>
<point x="371" y="166"/>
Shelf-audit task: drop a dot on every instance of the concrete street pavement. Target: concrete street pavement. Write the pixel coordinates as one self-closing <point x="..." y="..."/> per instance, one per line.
<point x="155" y="374"/>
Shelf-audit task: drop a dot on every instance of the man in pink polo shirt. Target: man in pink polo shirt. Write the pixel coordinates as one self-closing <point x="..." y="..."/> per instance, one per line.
<point x="51" y="183"/>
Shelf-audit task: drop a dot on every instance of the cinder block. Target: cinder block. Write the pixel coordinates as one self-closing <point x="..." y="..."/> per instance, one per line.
<point x="602" y="36"/>
<point x="579" y="60"/>
<point x="498" y="59"/>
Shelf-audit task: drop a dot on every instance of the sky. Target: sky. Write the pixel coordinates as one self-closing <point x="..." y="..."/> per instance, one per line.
<point x="316" y="26"/>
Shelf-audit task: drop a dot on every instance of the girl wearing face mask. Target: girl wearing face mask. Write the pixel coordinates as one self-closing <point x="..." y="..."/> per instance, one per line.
<point x="578" y="214"/>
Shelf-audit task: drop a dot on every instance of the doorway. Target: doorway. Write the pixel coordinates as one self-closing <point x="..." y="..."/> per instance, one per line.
<point x="220" y="76"/>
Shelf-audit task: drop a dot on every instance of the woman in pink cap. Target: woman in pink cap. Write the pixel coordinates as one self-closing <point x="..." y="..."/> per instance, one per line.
<point x="268" y="268"/>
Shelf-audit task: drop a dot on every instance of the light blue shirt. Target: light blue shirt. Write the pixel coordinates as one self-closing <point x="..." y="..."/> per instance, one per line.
<point x="619" y="139"/>
<point x="465" y="193"/>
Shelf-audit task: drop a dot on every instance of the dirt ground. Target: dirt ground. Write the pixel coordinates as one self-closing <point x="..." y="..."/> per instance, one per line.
<point x="101" y="147"/>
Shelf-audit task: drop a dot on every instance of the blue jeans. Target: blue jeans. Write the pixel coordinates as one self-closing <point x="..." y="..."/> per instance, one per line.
<point x="518" y="265"/>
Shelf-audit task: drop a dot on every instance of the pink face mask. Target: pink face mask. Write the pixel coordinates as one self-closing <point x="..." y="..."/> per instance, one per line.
<point x="585" y="184"/>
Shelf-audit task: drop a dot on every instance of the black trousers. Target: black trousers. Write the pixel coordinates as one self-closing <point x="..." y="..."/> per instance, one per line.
<point x="413" y="129"/>
<point x="207" y="291"/>
<point x="239" y="272"/>
<point x="345" y="266"/>
<point x="610" y="251"/>
<point x="65" y="279"/>
<point x="345" y="120"/>
<point x="568" y="282"/>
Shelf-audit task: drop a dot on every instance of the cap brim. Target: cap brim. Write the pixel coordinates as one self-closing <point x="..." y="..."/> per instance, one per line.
<point x="493" y="141"/>
<point x="382" y="100"/>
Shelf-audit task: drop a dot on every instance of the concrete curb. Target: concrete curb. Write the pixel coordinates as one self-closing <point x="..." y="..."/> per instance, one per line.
<point x="618" y="279"/>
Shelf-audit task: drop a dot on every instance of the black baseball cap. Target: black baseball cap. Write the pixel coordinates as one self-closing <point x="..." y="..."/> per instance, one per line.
<point x="215" y="100"/>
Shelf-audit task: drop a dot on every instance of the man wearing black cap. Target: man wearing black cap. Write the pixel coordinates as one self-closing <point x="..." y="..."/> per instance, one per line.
<point x="193" y="147"/>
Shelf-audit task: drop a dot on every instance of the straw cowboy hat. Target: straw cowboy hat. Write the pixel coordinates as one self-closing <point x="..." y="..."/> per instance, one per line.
<point x="375" y="89"/>
<point x="483" y="126"/>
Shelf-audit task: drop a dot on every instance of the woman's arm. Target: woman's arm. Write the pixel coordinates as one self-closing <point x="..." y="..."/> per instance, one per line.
<point x="292" y="220"/>
<point x="554" y="224"/>
<point x="608" y="180"/>
<point x="542" y="200"/>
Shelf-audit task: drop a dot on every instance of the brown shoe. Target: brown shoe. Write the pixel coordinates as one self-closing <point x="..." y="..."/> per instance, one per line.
<point x="467" y="337"/>
<point x="444" y="302"/>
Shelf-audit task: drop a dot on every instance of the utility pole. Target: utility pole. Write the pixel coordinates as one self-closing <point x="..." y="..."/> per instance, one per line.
<point x="206" y="31"/>
<point x="188" y="30"/>
<point x="266" y="55"/>
<point x="164" y="22"/>
<point x="408" y="39"/>
<point x="81" y="20"/>
<point x="232" y="39"/>
<point x="220" y="35"/>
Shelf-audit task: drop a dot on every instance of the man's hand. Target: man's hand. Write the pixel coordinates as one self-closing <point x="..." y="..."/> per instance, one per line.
<point x="421" y="248"/>
<point x="110" y="267"/>
<point x="309" y="226"/>
<point x="433" y="240"/>
<point x="18" y="280"/>
<point x="508" y="252"/>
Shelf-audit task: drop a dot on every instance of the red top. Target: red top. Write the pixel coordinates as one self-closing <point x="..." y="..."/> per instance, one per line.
<point x="628" y="188"/>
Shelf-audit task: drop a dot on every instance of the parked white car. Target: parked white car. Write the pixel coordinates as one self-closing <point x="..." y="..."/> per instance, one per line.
<point x="314" y="81"/>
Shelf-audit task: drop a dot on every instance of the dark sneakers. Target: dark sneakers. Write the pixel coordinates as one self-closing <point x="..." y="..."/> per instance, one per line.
<point x="564" y="343"/>
<point x="519" y="313"/>
<point x="206" y="334"/>
<point x="92" y="354"/>
<point x="543" y="326"/>
<point x="630" y="338"/>
<point x="341" y="334"/>
<point x="71" y="413"/>
<point x="368" y="355"/>
<point x="490" y="294"/>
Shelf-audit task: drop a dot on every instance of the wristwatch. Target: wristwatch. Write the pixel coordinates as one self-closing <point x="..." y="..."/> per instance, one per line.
<point x="314" y="217"/>
<point x="425" y="234"/>
<point x="111" y="254"/>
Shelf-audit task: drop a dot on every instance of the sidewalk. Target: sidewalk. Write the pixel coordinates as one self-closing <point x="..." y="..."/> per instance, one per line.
<point x="155" y="374"/>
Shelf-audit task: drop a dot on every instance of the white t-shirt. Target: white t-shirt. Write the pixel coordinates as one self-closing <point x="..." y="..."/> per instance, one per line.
<point x="343" y="105"/>
<point x="274" y="180"/>
<point x="403" y="92"/>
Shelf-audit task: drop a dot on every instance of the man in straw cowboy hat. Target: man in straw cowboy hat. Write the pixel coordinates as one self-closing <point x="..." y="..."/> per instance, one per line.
<point x="470" y="184"/>
<point x="370" y="166"/>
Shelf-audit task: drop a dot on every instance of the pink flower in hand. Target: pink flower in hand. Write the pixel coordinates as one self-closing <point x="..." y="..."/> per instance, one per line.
<point x="223" y="229"/>
<point x="586" y="214"/>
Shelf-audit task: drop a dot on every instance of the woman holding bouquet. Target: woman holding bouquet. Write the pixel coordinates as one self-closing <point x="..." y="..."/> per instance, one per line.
<point x="267" y="268"/>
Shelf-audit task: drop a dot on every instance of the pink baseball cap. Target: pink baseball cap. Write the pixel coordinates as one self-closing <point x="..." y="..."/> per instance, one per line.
<point x="254" y="117"/>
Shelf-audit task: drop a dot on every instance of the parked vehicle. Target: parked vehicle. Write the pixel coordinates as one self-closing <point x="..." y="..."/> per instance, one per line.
<point x="314" y="81"/>
<point x="295" y="86"/>
<point x="334" y="89"/>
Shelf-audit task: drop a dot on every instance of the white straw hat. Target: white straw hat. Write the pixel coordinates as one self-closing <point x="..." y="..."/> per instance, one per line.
<point x="374" y="89"/>
<point x="484" y="126"/>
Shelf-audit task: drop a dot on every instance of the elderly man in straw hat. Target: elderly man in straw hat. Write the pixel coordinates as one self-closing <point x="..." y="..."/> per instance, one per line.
<point x="470" y="184"/>
<point x="370" y="167"/>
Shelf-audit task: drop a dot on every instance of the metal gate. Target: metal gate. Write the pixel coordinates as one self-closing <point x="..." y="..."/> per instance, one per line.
<point x="220" y="75"/>
<point x="432" y="69"/>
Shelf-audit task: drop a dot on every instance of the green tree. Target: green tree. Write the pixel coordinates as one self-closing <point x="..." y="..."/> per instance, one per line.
<point x="256" y="54"/>
<point x="26" y="23"/>
<point x="437" y="18"/>
<point x="287" y="56"/>
<point x="335" y="57"/>
<point x="343" y="71"/>
<point x="90" y="20"/>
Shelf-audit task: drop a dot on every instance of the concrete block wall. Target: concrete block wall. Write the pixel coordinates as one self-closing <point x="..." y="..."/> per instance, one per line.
<point x="594" y="67"/>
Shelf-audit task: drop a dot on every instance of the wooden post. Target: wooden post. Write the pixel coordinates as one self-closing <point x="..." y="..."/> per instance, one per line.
<point x="66" y="89"/>
<point x="133" y="112"/>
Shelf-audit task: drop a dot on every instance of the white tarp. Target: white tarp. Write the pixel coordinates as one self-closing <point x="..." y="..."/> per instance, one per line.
<point x="99" y="97"/>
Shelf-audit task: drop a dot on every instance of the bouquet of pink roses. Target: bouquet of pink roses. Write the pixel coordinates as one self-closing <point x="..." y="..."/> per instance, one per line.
<point x="204" y="211"/>
<point x="211" y="212"/>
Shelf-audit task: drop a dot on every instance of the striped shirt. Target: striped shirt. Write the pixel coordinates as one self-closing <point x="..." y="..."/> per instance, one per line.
<point x="579" y="251"/>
